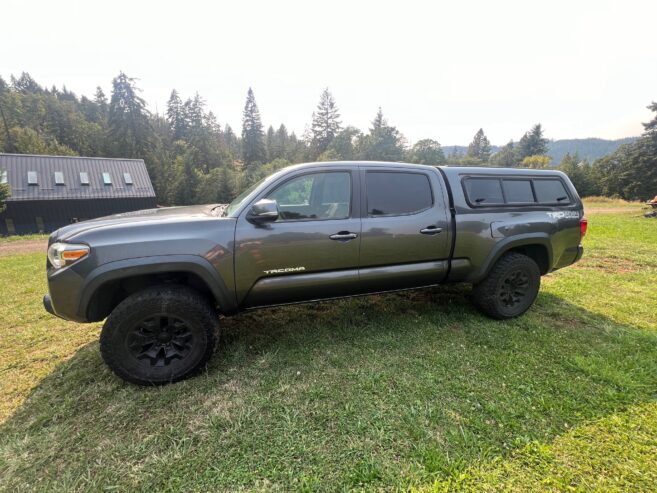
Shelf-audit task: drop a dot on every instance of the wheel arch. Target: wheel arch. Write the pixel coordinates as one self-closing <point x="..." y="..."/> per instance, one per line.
<point x="536" y="247"/>
<point x="111" y="283"/>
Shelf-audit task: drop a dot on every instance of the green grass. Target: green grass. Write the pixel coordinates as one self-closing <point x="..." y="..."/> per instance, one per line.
<point x="13" y="238"/>
<point x="406" y="391"/>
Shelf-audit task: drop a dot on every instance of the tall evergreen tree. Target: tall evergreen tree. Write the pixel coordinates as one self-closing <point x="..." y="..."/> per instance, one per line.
<point x="231" y="141"/>
<point x="379" y="121"/>
<point x="25" y="83"/>
<point x="4" y="119"/>
<point x="129" y="125"/>
<point x="253" y="145"/>
<point x="651" y="126"/>
<point x="383" y="143"/>
<point x="281" y="139"/>
<point x="270" y="143"/>
<point x="532" y="143"/>
<point x="101" y="101"/>
<point x="631" y="171"/>
<point x="479" y="148"/>
<point x="505" y="157"/>
<point x="175" y="116"/>
<point x="326" y="122"/>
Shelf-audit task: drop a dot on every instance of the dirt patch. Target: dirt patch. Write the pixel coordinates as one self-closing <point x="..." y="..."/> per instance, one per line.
<point x="26" y="246"/>
<point x="609" y="265"/>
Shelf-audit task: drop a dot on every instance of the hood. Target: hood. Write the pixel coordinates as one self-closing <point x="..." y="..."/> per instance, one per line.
<point x="160" y="215"/>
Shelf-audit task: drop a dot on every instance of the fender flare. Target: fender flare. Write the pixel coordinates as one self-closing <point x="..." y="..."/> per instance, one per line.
<point x="509" y="243"/>
<point x="122" y="269"/>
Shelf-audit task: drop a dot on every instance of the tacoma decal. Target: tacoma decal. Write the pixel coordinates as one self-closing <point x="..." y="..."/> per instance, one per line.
<point x="284" y="270"/>
<point x="564" y="215"/>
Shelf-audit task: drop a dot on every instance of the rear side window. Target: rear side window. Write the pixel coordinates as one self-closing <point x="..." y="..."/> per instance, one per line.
<point x="484" y="191"/>
<point x="394" y="194"/>
<point x="518" y="191"/>
<point x="551" y="192"/>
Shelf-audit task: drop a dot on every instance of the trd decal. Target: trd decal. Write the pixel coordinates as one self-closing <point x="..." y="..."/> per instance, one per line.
<point x="564" y="215"/>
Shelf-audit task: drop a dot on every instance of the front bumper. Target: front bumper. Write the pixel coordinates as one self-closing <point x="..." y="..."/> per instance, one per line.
<point x="47" y="304"/>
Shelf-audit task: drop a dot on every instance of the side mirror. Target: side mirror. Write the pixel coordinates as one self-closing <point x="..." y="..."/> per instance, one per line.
<point x="263" y="211"/>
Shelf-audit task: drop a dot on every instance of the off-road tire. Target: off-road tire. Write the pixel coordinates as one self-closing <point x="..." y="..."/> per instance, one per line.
<point x="498" y="296"/>
<point x="160" y="335"/>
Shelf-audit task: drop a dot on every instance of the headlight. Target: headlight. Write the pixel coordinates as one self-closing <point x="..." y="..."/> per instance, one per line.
<point x="64" y="254"/>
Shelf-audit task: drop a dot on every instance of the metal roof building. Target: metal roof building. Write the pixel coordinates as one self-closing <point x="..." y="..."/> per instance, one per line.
<point x="48" y="192"/>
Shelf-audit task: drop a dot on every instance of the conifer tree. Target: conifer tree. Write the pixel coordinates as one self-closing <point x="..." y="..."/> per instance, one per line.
<point x="532" y="143"/>
<point x="253" y="145"/>
<point x="175" y="116"/>
<point x="326" y="122"/>
<point x="505" y="157"/>
<point x="270" y="143"/>
<point x="101" y="100"/>
<point x="479" y="148"/>
<point x="280" y="142"/>
<point x="129" y="125"/>
<point x="383" y="143"/>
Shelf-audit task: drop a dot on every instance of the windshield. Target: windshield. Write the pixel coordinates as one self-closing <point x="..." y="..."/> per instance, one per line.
<point x="235" y="204"/>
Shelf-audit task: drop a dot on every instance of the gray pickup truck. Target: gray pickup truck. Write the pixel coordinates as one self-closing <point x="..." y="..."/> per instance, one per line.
<point x="308" y="232"/>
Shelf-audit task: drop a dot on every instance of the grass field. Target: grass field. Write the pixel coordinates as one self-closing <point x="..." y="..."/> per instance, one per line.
<point x="410" y="391"/>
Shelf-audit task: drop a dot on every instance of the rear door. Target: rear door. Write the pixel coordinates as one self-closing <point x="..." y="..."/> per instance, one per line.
<point x="404" y="239"/>
<point x="311" y="251"/>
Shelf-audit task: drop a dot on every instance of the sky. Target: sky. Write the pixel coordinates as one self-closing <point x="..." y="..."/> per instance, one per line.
<point x="438" y="69"/>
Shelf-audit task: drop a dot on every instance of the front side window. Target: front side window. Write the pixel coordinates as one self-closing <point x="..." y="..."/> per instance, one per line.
<point x="396" y="194"/>
<point x="59" y="178"/>
<point x="107" y="178"/>
<point x="314" y="196"/>
<point x="484" y="191"/>
<point x="550" y="192"/>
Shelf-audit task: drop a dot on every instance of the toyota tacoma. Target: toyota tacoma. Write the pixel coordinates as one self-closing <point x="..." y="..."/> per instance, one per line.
<point x="161" y="277"/>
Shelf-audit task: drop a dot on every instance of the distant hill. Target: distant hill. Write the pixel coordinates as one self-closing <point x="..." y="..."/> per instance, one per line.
<point x="590" y="149"/>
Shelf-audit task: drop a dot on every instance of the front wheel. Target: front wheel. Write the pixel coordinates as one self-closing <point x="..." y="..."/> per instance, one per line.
<point x="510" y="287"/>
<point x="159" y="335"/>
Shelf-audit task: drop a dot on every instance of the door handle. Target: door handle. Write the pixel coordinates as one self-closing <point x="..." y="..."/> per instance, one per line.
<point x="343" y="236"/>
<point x="431" y="230"/>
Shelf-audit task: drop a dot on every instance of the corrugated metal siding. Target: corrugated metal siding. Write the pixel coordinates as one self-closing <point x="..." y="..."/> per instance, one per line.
<point x="17" y="166"/>
<point x="58" y="213"/>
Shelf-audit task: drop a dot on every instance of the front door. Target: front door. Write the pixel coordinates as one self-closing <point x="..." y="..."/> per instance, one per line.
<point x="405" y="229"/>
<point x="311" y="250"/>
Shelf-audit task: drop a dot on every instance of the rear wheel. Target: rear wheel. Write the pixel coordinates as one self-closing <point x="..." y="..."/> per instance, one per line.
<point x="510" y="287"/>
<point x="160" y="335"/>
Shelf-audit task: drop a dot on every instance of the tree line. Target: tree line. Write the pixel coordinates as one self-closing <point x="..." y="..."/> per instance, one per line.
<point x="191" y="158"/>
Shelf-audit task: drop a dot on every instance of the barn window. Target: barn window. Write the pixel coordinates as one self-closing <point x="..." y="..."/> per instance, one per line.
<point x="84" y="178"/>
<point x="11" y="229"/>
<point x="107" y="178"/>
<point x="40" y="225"/>
<point x="32" y="178"/>
<point x="127" y="178"/>
<point x="59" y="178"/>
<point x="3" y="176"/>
